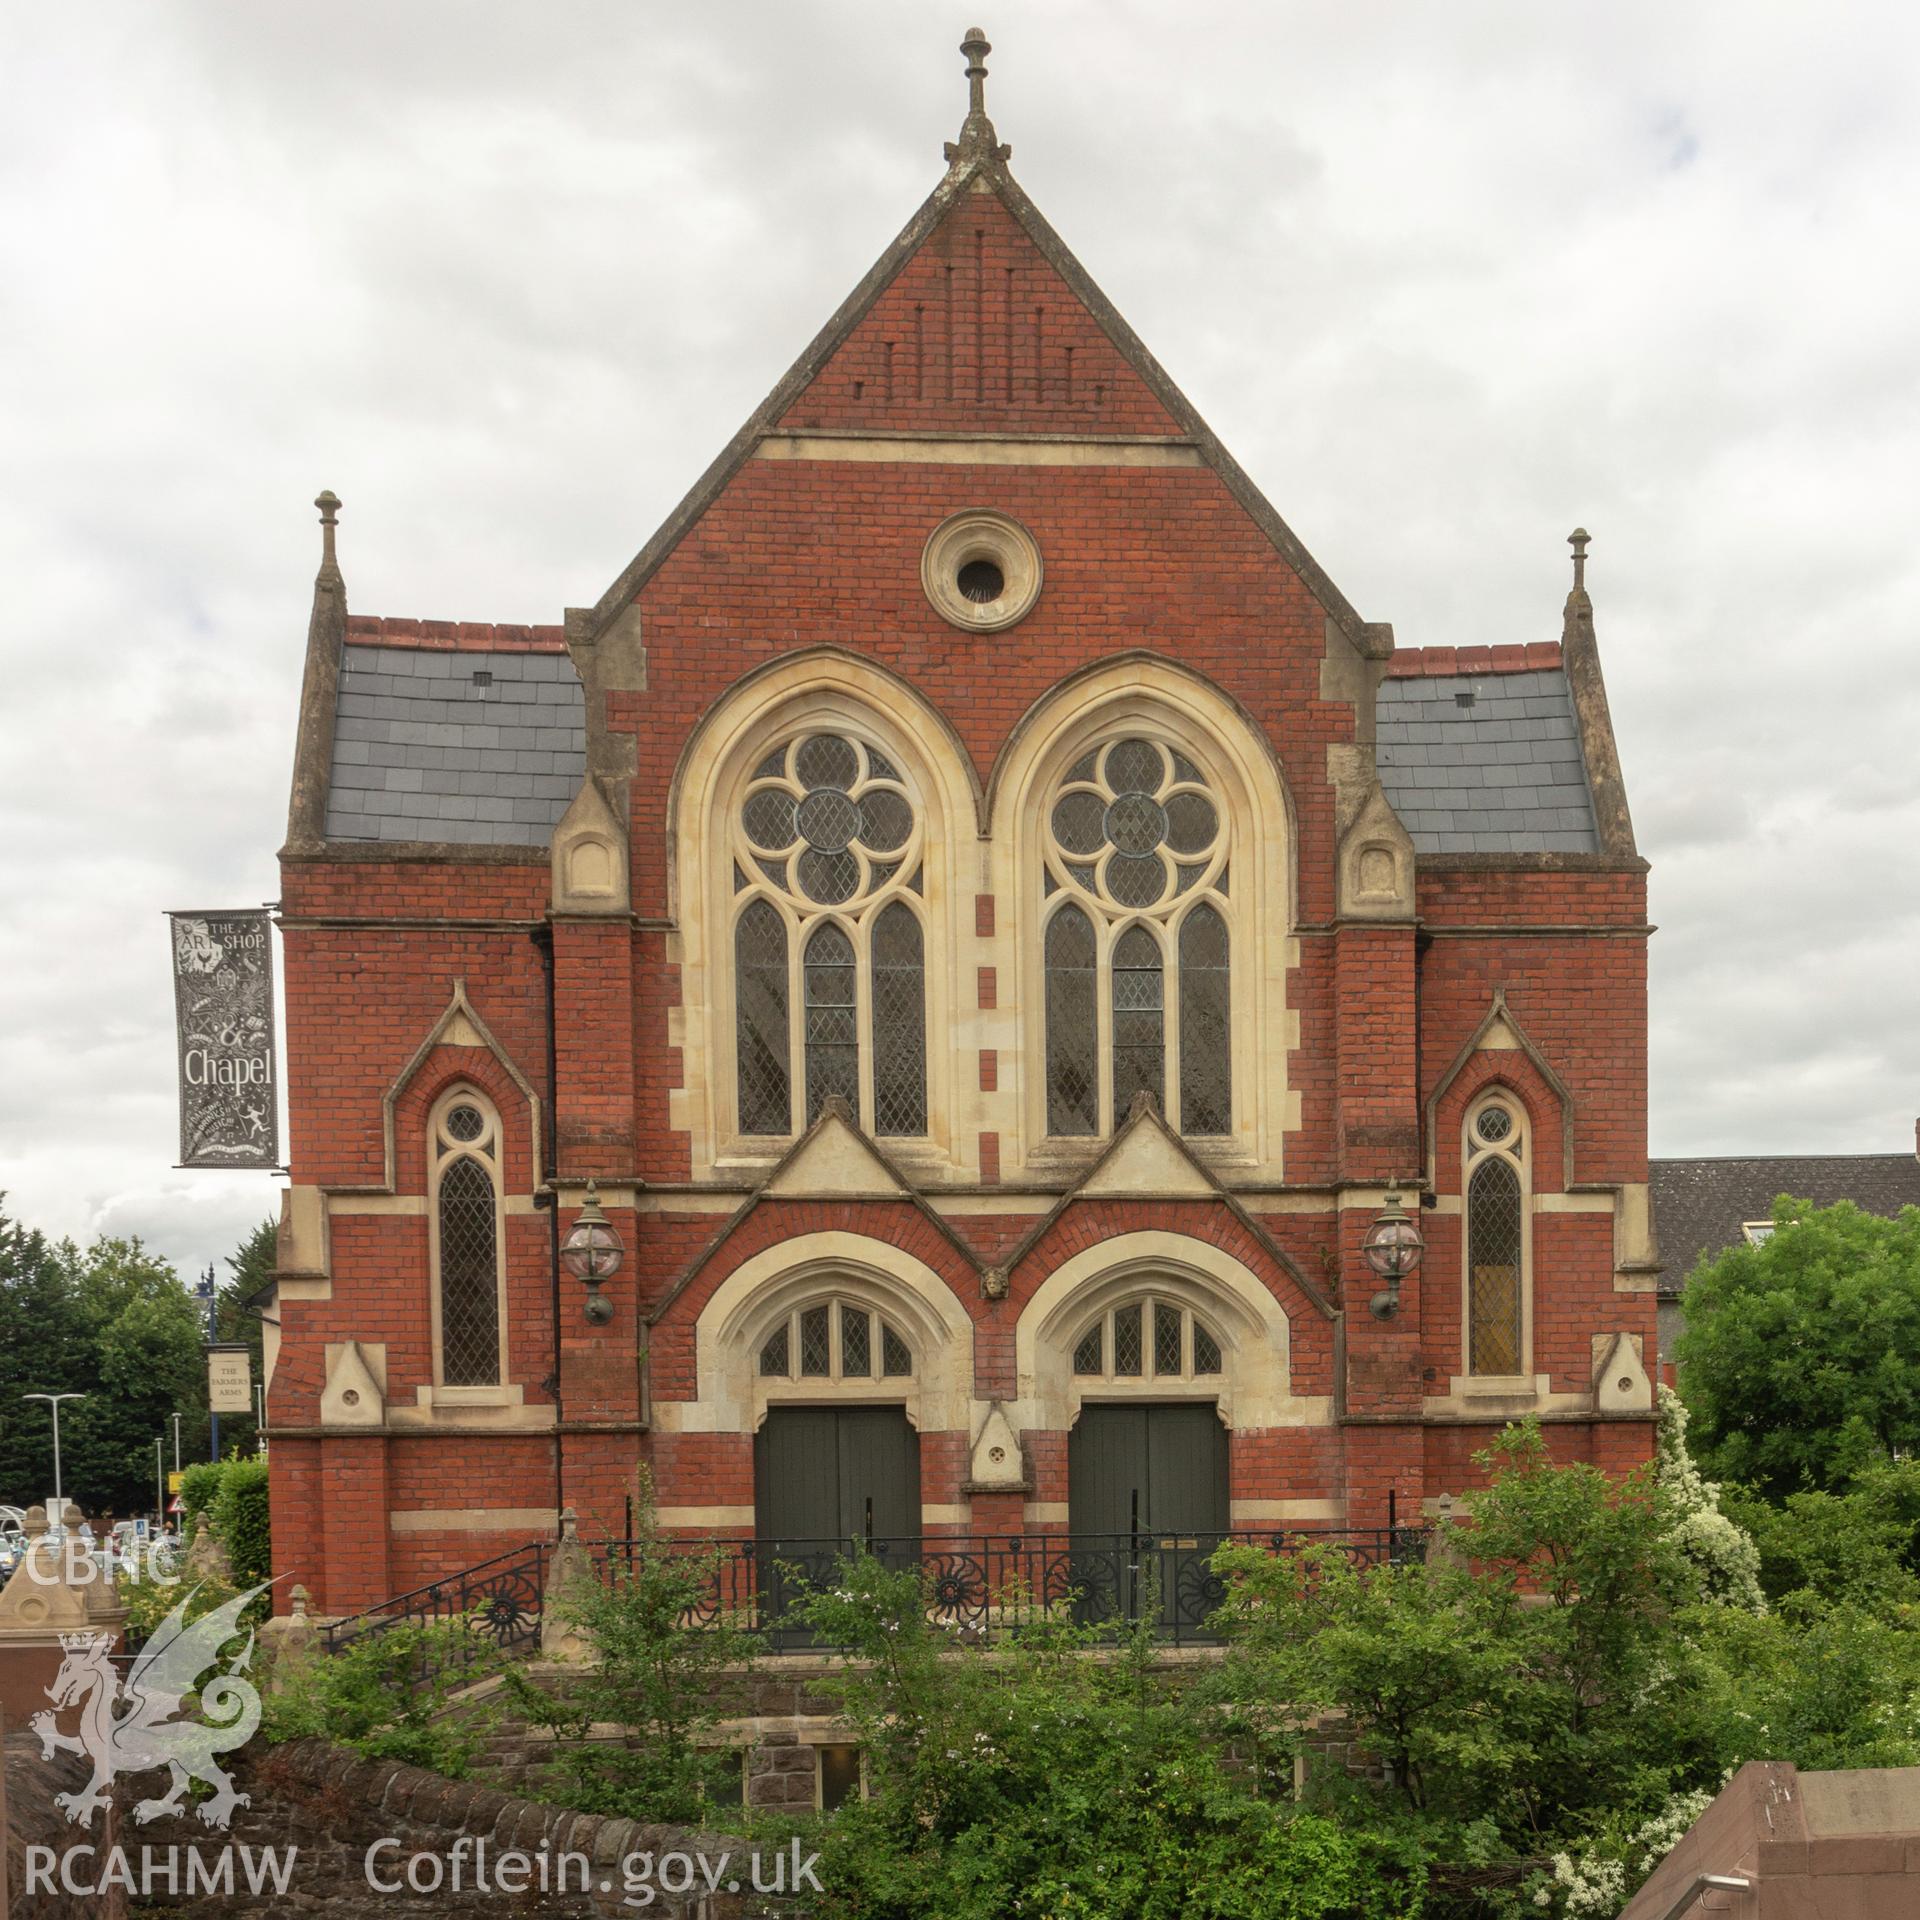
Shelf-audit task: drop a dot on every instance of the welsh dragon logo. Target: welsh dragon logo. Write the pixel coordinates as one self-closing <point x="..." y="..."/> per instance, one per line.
<point x="138" y="1725"/>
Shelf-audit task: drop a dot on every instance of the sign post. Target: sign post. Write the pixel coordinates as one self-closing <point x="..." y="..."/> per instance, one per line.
<point x="223" y="1011"/>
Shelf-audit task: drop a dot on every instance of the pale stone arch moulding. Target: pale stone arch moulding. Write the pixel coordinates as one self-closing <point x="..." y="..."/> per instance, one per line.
<point x="732" y="1397"/>
<point x="1142" y="692"/>
<point x="825" y="689"/>
<point x="459" y="1026"/>
<point x="1255" y="1385"/>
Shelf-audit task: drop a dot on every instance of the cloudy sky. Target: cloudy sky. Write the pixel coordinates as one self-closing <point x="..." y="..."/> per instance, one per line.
<point x="505" y="276"/>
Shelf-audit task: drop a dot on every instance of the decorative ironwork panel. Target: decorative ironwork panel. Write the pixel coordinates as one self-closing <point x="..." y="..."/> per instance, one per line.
<point x="1087" y="1356"/>
<point x="1139" y="1021"/>
<point x="1206" y="1030"/>
<point x="761" y="1021"/>
<point x="816" y="1357"/>
<point x="856" y="1343"/>
<point x="833" y="1028"/>
<point x="469" y="1277"/>
<point x="775" y="1357"/>
<point x="1073" y="1053"/>
<point x="899" y="1023"/>
<point x="223" y="1014"/>
<point x="1128" y="1358"/>
<point x="1494" y="1229"/>
<point x="1166" y="1339"/>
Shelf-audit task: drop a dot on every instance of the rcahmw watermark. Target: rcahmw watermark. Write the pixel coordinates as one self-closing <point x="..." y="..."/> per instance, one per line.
<point x="471" y="1866"/>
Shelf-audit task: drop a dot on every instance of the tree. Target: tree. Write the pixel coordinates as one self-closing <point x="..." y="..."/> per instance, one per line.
<point x="1801" y="1359"/>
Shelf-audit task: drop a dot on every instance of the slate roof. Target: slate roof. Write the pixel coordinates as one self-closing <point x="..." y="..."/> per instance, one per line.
<point x="1699" y="1206"/>
<point x="1488" y="761"/>
<point x="436" y="741"/>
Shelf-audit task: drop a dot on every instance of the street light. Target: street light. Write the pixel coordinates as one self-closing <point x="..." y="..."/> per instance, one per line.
<point x="159" y="1483"/>
<point x="592" y="1252"/>
<point x="1392" y="1248"/>
<point x="53" y="1400"/>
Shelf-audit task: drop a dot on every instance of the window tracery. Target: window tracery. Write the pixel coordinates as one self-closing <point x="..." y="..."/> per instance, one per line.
<point x="1138" y="941"/>
<point x="829" y="950"/>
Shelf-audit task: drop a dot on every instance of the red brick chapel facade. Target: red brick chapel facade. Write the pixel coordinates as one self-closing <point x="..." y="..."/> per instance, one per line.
<point x="994" y="924"/>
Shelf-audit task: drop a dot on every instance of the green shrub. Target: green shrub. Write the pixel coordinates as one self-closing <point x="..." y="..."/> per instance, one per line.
<point x="241" y="1521"/>
<point x="660" y="1661"/>
<point x="391" y="1696"/>
<point x="199" y="1489"/>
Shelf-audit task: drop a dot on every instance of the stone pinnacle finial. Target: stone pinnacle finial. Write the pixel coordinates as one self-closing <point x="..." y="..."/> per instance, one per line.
<point x="1577" y="540"/>
<point x="977" y="137"/>
<point x="329" y="504"/>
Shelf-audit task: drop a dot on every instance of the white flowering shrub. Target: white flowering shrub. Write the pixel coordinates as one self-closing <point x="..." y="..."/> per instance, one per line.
<point x="1720" y="1550"/>
<point x="1598" y="1884"/>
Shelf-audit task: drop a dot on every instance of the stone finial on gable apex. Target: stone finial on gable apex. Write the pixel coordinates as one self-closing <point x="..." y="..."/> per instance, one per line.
<point x="329" y="504"/>
<point x="977" y="141"/>
<point x="1578" y="540"/>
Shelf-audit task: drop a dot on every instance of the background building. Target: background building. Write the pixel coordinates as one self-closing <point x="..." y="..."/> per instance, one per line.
<point x="995" y="923"/>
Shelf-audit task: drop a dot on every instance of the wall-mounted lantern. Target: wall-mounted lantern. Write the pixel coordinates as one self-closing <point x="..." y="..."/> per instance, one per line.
<point x="592" y="1252"/>
<point x="1393" y="1248"/>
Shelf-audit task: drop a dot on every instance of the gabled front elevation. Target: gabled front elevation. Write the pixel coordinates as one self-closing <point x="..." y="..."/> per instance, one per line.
<point x="993" y="924"/>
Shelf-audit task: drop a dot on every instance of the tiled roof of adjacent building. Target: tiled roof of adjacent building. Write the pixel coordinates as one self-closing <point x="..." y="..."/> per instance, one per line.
<point x="448" y="732"/>
<point x="1479" y="751"/>
<point x="1699" y="1206"/>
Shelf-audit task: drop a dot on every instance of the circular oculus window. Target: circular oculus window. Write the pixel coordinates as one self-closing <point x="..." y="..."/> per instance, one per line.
<point x="981" y="570"/>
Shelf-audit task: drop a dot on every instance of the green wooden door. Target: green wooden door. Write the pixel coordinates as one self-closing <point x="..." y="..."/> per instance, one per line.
<point x="825" y="1480"/>
<point x="1147" y="1505"/>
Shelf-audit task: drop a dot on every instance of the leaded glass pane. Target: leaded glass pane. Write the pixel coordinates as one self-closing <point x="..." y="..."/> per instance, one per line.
<point x="899" y="1023"/>
<point x="1206" y="1030"/>
<point x="828" y="877"/>
<point x="1082" y="769"/>
<point x="768" y="818"/>
<point x="885" y="821"/>
<point x="1136" y="883"/>
<point x="1073" y="1057"/>
<point x="775" y="1363"/>
<point x="1086" y="1356"/>
<point x="915" y="881"/>
<point x="1184" y="769"/>
<point x="1189" y="878"/>
<point x="739" y="879"/>
<point x="1139" y="1021"/>
<point x="1084" y="875"/>
<point x="469" y="1277"/>
<point x="816" y="1357"/>
<point x="881" y="872"/>
<point x="1079" y="822"/>
<point x="1136" y="823"/>
<point x="1135" y="766"/>
<point x="773" y="766"/>
<point x="1166" y="1338"/>
<point x="879" y="767"/>
<point x="833" y="1032"/>
<point x="1494" y="1124"/>
<point x="1493" y="1268"/>
<point x="895" y="1360"/>
<point x="827" y="820"/>
<point x="1191" y="822"/>
<point x="826" y="761"/>
<point x="775" y="870"/>
<point x="856" y="1343"/>
<point x="1206" y="1350"/>
<point x="761" y="1027"/>
<point x="1221" y="883"/>
<point x="1127" y="1355"/>
<point x="466" y="1123"/>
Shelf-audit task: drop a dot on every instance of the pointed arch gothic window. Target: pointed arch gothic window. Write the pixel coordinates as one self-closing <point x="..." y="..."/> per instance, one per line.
<point x="1497" y="1252"/>
<point x="829" y="949"/>
<point x="1138" y="945"/>
<point x="468" y="1273"/>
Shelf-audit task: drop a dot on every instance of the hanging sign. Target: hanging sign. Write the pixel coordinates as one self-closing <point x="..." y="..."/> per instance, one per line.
<point x="229" y="1380"/>
<point x="223" y="1009"/>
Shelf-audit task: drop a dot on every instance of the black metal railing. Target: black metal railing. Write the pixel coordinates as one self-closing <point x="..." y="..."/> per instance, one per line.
<point x="977" y="1586"/>
<point x="501" y="1597"/>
